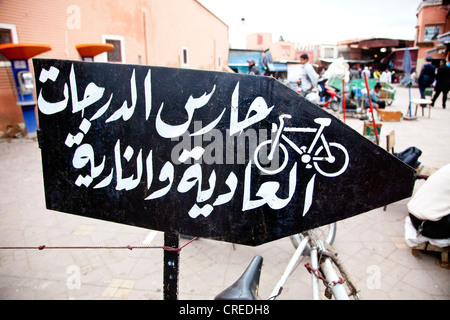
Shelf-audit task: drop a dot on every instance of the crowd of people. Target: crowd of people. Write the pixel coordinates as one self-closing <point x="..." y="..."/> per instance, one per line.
<point x="386" y="76"/>
<point x="429" y="208"/>
<point x="429" y="77"/>
<point x="437" y="78"/>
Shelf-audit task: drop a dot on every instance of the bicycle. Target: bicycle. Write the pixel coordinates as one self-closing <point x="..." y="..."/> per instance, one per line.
<point x="324" y="265"/>
<point x="332" y="153"/>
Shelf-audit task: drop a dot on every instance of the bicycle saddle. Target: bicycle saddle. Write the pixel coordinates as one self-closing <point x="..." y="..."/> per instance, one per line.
<point x="246" y="287"/>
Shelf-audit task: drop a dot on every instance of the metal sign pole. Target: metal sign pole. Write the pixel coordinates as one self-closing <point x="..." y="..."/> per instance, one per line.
<point x="171" y="266"/>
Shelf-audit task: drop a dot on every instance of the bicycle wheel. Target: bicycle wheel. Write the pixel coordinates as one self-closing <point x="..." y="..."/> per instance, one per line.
<point x="271" y="163"/>
<point x="325" y="233"/>
<point x="334" y="105"/>
<point x="337" y="166"/>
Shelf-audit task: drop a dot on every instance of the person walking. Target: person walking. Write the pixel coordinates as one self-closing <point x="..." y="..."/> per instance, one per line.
<point x="309" y="77"/>
<point x="442" y="84"/>
<point x="427" y="76"/>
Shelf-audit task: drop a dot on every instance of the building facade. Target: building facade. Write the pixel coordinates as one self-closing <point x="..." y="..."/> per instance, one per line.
<point x="281" y="50"/>
<point x="371" y="50"/>
<point x="171" y="33"/>
<point x="432" y="21"/>
<point x="291" y="51"/>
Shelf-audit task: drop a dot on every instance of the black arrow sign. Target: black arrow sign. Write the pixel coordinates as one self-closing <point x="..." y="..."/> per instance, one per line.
<point x="231" y="157"/>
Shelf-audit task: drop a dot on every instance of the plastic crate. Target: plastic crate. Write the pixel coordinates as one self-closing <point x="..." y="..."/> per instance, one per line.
<point x="360" y="83"/>
<point x="337" y="84"/>
<point x="387" y="91"/>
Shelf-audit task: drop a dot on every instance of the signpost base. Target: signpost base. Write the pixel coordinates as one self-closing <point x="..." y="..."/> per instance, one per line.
<point x="171" y="266"/>
<point x="29" y="116"/>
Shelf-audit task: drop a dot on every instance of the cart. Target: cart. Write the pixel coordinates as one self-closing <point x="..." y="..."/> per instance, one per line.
<point x="387" y="93"/>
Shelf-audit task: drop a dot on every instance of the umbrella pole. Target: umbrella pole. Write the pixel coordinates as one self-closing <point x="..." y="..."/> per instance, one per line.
<point x="409" y="107"/>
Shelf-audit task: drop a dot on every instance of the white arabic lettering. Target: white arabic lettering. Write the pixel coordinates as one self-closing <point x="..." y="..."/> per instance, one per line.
<point x="128" y="163"/>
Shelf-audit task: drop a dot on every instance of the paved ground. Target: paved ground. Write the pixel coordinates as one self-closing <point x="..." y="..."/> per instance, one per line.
<point x="372" y="244"/>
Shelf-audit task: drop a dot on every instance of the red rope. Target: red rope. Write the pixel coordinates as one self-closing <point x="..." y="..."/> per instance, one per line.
<point x="371" y="110"/>
<point x="319" y="275"/>
<point x="129" y="247"/>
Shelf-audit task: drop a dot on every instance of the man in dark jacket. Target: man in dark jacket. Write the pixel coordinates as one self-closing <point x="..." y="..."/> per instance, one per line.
<point x="252" y="68"/>
<point x="442" y="84"/>
<point x="426" y="77"/>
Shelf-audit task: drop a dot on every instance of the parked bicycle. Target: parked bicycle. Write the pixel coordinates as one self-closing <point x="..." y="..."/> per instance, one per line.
<point x="324" y="266"/>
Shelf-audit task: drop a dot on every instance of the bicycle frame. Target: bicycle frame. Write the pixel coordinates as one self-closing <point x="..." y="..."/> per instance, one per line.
<point x="306" y="154"/>
<point x="336" y="282"/>
<point x="321" y="157"/>
<point x="317" y="248"/>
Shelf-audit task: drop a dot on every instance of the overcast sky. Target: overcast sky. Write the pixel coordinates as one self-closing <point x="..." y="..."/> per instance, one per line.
<point x="317" y="21"/>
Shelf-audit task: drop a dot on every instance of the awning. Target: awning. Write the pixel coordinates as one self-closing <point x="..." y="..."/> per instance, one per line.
<point x="348" y="61"/>
<point x="241" y="57"/>
<point x="277" y="67"/>
<point x="445" y="37"/>
<point x="93" y="49"/>
<point x="23" y="51"/>
<point x="396" y="58"/>
<point x="441" y="48"/>
<point x="238" y="59"/>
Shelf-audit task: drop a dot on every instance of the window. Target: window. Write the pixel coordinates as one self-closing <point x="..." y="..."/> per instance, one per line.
<point x="184" y="56"/>
<point x="118" y="54"/>
<point x="329" y="53"/>
<point x="260" y="39"/>
<point x="5" y="36"/>
<point x="431" y="32"/>
<point x="286" y="51"/>
<point x="8" y="34"/>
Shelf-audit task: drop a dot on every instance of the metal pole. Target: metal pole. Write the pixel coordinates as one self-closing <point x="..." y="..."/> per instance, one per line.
<point x="371" y="111"/>
<point x="171" y="266"/>
<point x="338" y="289"/>
<point x="409" y="106"/>
<point x="314" y="279"/>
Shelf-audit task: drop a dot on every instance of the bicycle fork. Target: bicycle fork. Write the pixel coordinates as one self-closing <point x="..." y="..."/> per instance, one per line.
<point x="326" y="266"/>
<point x="305" y="154"/>
<point x="278" y="135"/>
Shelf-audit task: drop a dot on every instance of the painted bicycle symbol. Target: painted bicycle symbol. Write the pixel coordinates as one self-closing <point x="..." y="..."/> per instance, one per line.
<point x="329" y="159"/>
